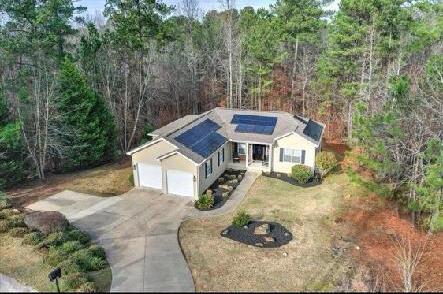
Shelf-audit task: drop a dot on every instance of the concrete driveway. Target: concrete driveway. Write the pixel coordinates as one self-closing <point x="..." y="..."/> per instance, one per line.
<point x="138" y="230"/>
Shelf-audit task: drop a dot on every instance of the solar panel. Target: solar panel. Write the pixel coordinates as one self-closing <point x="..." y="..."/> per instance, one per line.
<point x="202" y="138"/>
<point x="257" y="120"/>
<point x="191" y="136"/>
<point x="245" y="128"/>
<point x="313" y="130"/>
<point x="209" y="144"/>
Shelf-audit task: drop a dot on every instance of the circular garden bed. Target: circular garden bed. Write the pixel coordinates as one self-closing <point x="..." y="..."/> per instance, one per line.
<point x="259" y="234"/>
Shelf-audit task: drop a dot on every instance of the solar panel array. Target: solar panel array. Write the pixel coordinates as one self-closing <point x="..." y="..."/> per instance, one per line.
<point x="202" y="138"/>
<point x="313" y="130"/>
<point x="254" y="124"/>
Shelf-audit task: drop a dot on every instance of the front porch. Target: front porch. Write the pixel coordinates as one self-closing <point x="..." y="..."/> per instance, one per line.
<point x="250" y="156"/>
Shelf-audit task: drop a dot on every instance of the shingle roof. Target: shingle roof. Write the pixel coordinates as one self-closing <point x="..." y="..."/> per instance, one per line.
<point x="286" y="124"/>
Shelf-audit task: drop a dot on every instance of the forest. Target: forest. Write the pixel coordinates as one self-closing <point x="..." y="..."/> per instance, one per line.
<point x="80" y="90"/>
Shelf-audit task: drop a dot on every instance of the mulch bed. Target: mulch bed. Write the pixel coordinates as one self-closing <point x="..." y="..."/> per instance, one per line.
<point x="218" y="191"/>
<point x="314" y="181"/>
<point x="247" y="236"/>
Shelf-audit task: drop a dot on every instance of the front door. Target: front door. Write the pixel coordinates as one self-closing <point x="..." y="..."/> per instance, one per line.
<point x="259" y="152"/>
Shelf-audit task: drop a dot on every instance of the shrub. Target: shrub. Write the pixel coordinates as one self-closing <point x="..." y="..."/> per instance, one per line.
<point x="205" y="202"/>
<point x="69" y="266"/>
<point x="16" y="221"/>
<point x="72" y="281"/>
<point x="4" y="202"/>
<point x="33" y="238"/>
<point x="54" y="239"/>
<point x="4" y="226"/>
<point x="77" y="235"/>
<point x="88" y="287"/>
<point x="55" y="256"/>
<point x="301" y="173"/>
<point x="131" y="179"/>
<point x="326" y="161"/>
<point x="241" y="219"/>
<point x="90" y="259"/>
<point x="70" y="247"/>
<point x="18" y="232"/>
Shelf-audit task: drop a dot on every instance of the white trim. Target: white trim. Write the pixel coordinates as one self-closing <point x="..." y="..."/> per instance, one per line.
<point x="147" y="144"/>
<point x="173" y="152"/>
<point x="295" y="133"/>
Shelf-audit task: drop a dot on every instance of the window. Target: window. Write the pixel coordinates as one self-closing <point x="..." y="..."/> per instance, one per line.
<point x="208" y="167"/>
<point x="291" y="155"/>
<point x="218" y="158"/>
<point x="241" y="149"/>
<point x="223" y="154"/>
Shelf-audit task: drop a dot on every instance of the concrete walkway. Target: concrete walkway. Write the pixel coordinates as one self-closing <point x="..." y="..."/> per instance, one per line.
<point x="8" y="284"/>
<point x="138" y="231"/>
<point x="234" y="200"/>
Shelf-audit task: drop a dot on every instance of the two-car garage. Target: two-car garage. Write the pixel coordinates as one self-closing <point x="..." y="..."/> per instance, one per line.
<point x="157" y="166"/>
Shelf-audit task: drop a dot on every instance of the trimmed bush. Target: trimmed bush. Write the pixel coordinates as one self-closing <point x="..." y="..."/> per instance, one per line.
<point x="18" y="232"/>
<point x="301" y="173"/>
<point x="241" y="219"/>
<point x="205" y="202"/>
<point x="326" y="161"/>
<point x="33" y="238"/>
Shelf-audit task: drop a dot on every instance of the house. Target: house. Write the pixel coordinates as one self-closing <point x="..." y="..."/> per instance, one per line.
<point x="186" y="156"/>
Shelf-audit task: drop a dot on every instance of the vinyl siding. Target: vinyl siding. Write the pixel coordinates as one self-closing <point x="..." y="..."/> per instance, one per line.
<point x="293" y="141"/>
<point x="204" y="182"/>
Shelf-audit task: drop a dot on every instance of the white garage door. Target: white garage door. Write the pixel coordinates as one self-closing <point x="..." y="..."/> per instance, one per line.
<point x="150" y="175"/>
<point x="180" y="183"/>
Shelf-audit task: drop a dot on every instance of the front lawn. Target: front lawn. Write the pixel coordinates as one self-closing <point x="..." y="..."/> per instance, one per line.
<point x="306" y="263"/>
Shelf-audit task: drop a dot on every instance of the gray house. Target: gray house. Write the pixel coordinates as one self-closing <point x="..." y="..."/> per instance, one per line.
<point x="186" y="156"/>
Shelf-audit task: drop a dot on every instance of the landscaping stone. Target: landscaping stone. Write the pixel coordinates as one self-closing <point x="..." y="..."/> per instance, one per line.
<point x="269" y="239"/>
<point x="46" y="222"/>
<point x="245" y="227"/>
<point x="239" y="177"/>
<point x="221" y="180"/>
<point x="225" y="232"/>
<point x="225" y="194"/>
<point x="209" y="192"/>
<point x="262" y="229"/>
<point x="285" y="254"/>
<point x="277" y="236"/>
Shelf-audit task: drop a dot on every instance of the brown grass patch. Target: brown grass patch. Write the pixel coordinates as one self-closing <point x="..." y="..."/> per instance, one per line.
<point x="106" y="180"/>
<point x="218" y="264"/>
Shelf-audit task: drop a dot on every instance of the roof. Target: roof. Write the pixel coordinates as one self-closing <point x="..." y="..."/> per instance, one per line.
<point x="285" y="124"/>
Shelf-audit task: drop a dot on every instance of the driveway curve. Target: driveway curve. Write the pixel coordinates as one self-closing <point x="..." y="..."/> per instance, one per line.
<point x="138" y="231"/>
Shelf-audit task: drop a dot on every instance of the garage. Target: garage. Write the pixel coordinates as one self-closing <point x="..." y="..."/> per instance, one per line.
<point x="149" y="175"/>
<point x="180" y="183"/>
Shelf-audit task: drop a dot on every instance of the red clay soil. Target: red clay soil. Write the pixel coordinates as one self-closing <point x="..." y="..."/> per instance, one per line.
<point x="375" y="230"/>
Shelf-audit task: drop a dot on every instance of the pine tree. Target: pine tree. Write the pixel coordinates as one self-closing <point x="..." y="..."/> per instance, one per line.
<point x="91" y="133"/>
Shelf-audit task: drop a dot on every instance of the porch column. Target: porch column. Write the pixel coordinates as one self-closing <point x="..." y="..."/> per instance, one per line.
<point x="247" y="155"/>
<point x="271" y="154"/>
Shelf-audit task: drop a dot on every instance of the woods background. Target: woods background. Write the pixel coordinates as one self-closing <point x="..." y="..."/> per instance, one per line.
<point x="79" y="91"/>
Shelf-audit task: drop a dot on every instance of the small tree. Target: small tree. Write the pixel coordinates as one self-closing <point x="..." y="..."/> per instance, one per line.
<point x="326" y="161"/>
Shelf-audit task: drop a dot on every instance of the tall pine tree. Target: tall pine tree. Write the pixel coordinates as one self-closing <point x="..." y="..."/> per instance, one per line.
<point x="90" y="134"/>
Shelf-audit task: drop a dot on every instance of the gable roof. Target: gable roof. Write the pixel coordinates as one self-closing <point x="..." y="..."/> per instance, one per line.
<point x="285" y="125"/>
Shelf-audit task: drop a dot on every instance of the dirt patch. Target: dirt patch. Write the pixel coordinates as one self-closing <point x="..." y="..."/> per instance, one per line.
<point x="106" y="180"/>
<point x="380" y="232"/>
